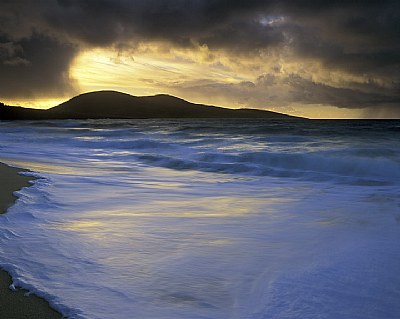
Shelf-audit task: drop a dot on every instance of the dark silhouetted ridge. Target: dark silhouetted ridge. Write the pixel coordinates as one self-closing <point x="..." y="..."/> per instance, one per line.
<point x="117" y="105"/>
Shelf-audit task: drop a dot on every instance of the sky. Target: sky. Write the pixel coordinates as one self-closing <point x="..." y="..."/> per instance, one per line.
<point x="319" y="59"/>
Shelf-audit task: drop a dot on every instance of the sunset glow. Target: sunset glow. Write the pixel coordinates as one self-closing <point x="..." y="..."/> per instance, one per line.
<point x="273" y="57"/>
<point x="193" y="159"/>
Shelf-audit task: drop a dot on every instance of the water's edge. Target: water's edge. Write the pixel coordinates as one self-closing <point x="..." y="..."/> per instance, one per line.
<point x="37" y="303"/>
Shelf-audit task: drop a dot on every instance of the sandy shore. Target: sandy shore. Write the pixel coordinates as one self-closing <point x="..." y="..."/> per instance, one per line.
<point x="14" y="304"/>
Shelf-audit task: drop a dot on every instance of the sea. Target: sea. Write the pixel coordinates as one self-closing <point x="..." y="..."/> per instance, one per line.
<point x="216" y="219"/>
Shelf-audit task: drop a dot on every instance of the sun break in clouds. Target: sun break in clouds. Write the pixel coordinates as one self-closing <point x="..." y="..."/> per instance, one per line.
<point x="318" y="59"/>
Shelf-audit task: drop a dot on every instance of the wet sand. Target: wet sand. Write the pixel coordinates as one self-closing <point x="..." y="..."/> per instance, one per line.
<point x="15" y="304"/>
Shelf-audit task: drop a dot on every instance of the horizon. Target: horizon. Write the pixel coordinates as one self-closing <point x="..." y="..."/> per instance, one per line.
<point x="326" y="60"/>
<point x="116" y="95"/>
<point x="218" y="106"/>
<point x="48" y="105"/>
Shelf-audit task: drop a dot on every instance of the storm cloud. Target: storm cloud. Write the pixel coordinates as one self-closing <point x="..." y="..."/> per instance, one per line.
<point x="38" y="41"/>
<point x="33" y="66"/>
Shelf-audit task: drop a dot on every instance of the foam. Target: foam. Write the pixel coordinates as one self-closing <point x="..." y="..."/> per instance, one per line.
<point x="188" y="219"/>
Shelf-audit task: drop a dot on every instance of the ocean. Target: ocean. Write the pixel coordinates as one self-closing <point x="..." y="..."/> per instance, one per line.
<point x="246" y="219"/>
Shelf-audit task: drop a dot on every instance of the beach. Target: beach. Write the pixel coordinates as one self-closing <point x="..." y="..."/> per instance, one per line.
<point x="15" y="304"/>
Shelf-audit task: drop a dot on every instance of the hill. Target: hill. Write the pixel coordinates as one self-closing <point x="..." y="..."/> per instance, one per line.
<point x="117" y="105"/>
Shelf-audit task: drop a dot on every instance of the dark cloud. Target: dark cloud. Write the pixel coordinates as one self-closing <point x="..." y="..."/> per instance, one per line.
<point x="360" y="38"/>
<point x="235" y="37"/>
<point x="103" y="22"/>
<point x="34" y="66"/>
<point x="358" y="35"/>
<point x="309" y="92"/>
<point x="272" y="91"/>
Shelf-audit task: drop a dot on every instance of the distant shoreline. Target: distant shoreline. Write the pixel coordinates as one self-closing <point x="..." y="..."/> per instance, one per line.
<point x="117" y="105"/>
<point x="14" y="304"/>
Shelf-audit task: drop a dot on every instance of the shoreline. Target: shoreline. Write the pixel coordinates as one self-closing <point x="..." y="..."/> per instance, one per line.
<point x="15" y="304"/>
